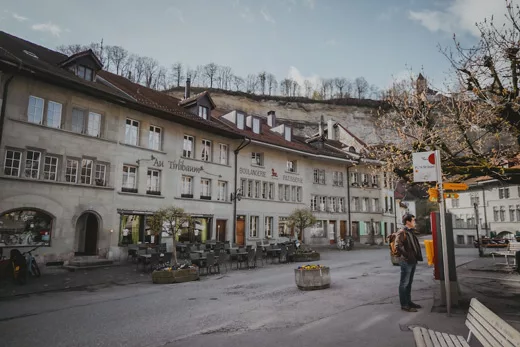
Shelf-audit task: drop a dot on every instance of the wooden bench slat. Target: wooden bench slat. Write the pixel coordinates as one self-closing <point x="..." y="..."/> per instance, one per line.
<point x="418" y="337"/>
<point x="448" y="340"/>
<point x="496" y="322"/>
<point x="479" y="336"/>
<point x="440" y="338"/>
<point x="434" y="338"/>
<point x="462" y="341"/>
<point x="490" y="333"/>
<point x="426" y="337"/>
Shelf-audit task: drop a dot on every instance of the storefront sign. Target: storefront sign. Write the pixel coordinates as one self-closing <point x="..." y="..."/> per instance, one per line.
<point x="292" y="179"/>
<point x="251" y="172"/>
<point x="178" y="165"/>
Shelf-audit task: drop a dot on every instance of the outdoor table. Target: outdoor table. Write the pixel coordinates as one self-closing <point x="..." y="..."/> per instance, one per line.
<point x="143" y="257"/>
<point x="273" y="251"/>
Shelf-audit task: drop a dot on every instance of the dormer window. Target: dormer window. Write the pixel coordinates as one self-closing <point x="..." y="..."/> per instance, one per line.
<point x="203" y="112"/>
<point x="256" y="125"/>
<point x="83" y="72"/>
<point x="287" y="133"/>
<point x="240" y="121"/>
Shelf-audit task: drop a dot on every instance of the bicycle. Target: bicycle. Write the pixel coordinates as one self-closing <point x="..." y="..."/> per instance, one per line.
<point x="32" y="266"/>
<point x="24" y="263"/>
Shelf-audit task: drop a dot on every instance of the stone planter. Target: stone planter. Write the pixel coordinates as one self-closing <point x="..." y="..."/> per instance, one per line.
<point x="312" y="279"/>
<point x="306" y="257"/>
<point x="175" y="276"/>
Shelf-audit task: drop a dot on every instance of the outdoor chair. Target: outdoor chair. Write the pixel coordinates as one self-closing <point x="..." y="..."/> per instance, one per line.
<point x="222" y="260"/>
<point x="291" y="251"/>
<point x="282" y="257"/>
<point x="241" y="259"/>
<point x="259" y="256"/>
<point x="251" y="258"/>
<point x="209" y="263"/>
<point x="152" y="261"/>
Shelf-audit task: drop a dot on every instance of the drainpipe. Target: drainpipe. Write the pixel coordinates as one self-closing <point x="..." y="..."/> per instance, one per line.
<point x="4" y="105"/>
<point x="485" y="210"/>
<point x="348" y="203"/>
<point x="245" y="142"/>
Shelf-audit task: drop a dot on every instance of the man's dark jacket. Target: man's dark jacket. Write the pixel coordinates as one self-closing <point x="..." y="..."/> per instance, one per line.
<point x="408" y="247"/>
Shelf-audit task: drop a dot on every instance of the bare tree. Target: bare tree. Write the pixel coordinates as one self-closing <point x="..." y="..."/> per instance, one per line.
<point x="251" y="83"/>
<point x="126" y="69"/>
<point x="210" y="72"/>
<point x="117" y="56"/>
<point x="286" y="86"/>
<point x="225" y="74"/>
<point x="238" y="82"/>
<point x="162" y="81"/>
<point x="150" y="71"/>
<point x="272" y="84"/>
<point x="262" y="79"/>
<point x="340" y="83"/>
<point x="307" y="86"/>
<point x="361" y="87"/>
<point x="70" y="49"/>
<point x="138" y="68"/>
<point x="177" y="73"/>
<point x="295" y="88"/>
<point x="349" y="89"/>
<point x="99" y="50"/>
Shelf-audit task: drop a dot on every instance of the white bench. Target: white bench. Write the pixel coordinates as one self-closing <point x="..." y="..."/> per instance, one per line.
<point x="512" y="248"/>
<point x="489" y="329"/>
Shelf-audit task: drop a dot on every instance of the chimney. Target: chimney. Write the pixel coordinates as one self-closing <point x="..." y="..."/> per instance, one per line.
<point x="187" y="88"/>
<point x="321" y="126"/>
<point x="271" y="119"/>
<point x="330" y="129"/>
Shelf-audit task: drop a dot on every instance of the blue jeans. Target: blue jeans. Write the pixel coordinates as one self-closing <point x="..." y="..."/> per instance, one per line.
<point x="405" y="285"/>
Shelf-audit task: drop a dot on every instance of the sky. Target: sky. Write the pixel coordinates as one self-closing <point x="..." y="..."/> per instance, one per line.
<point x="381" y="40"/>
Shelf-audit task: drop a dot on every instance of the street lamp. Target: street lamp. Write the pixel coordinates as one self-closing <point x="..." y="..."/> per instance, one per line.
<point x="237" y="195"/>
<point x="477" y="221"/>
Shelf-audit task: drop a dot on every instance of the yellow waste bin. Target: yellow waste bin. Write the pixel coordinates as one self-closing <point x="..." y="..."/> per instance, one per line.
<point x="428" y="244"/>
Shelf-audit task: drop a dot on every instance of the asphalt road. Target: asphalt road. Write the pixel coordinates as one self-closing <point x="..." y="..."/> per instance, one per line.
<point x="248" y="307"/>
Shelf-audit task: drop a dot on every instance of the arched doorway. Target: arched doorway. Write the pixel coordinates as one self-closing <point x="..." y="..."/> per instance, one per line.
<point x="507" y="235"/>
<point x="87" y="229"/>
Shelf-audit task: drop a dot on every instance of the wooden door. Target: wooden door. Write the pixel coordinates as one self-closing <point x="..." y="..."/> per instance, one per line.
<point x="241" y="227"/>
<point x="221" y="230"/>
<point x="91" y="235"/>
<point x="343" y="229"/>
<point x="332" y="228"/>
<point x="355" y="231"/>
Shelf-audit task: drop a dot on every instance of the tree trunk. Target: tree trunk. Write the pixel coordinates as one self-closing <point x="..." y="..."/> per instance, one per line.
<point x="174" y="250"/>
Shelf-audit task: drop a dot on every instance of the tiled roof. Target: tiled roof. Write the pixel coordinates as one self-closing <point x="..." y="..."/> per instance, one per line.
<point x="196" y="97"/>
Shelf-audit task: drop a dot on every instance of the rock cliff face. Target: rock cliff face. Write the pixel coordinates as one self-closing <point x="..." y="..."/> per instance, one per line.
<point x="358" y="116"/>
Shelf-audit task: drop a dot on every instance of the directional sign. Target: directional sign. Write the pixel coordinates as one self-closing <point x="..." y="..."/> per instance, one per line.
<point x="451" y="196"/>
<point x="455" y="186"/>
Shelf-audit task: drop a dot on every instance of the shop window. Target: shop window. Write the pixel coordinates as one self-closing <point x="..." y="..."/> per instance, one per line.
<point x="25" y="227"/>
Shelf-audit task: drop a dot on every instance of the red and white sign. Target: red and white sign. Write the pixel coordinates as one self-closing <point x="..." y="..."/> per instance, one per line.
<point x="424" y="167"/>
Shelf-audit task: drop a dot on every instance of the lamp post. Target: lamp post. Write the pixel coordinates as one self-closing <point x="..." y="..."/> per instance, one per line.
<point x="477" y="219"/>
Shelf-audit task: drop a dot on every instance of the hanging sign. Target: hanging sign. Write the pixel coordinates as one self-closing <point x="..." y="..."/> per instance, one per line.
<point x="424" y="167"/>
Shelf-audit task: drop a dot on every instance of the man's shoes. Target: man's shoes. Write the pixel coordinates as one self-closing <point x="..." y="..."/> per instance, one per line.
<point x="414" y="305"/>
<point x="408" y="309"/>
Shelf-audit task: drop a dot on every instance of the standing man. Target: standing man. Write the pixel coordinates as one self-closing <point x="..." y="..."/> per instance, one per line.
<point x="409" y="250"/>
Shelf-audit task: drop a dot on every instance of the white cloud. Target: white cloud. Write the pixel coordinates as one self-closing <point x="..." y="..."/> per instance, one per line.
<point x="19" y="18"/>
<point x="267" y="16"/>
<point x="247" y="14"/>
<point x="49" y="27"/>
<point x="297" y="76"/>
<point x="177" y="12"/>
<point x="460" y="16"/>
<point x="331" y="42"/>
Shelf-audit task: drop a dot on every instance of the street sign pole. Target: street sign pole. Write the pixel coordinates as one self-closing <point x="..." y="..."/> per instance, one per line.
<point x="442" y="215"/>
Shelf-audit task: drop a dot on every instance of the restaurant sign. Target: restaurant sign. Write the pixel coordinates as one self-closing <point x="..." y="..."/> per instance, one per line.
<point x="178" y="165"/>
<point x="252" y="172"/>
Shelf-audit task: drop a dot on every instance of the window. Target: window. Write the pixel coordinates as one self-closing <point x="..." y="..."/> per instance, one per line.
<point x="154" y="138"/>
<point x="385" y="180"/>
<point x="375" y="180"/>
<point x="376" y="205"/>
<point x="454" y="203"/>
<point x="187" y="187"/>
<point x="502" y="214"/>
<point x="355" y="203"/>
<point x="203" y="112"/>
<point x="280" y="192"/>
<point x="495" y="214"/>
<point x="94" y="124"/>
<point x="287" y="133"/>
<point x="284" y="228"/>
<point x="222" y="191"/>
<point x="205" y="188"/>
<point x="332" y="204"/>
<point x="100" y="175"/>
<point x="50" y="168"/>
<point x="501" y="193"/>
<point x="293" y="193"/>
<point x="240" y="121"/>
<point x="53" y="114"/>
<point x="250" y="189"/>
<point x="323" y="203"/>
<point x="511" y="213"/>
<point x="256" y="125"/>
<point x="364" y="179"/>
<point x="71" y="171"/>
<point x="258" y="186"/>
<point x="337" y="178"/>
<point x="314" y="203"/>
<point x="86" y="171"/>
<point x="243" y="186"/>
<point x="366" y="204"/>
<point x="471" y="239"/>
<point x="132" y="132"/>
<point x="475" y="200"/>
<point x="291" y="166"/>
<point x="84" y="72"/>
<point x="506" y="193"/>
<point x="78" y="121"/>
<point x="187" y="149"/>
<point x="206" y="150"/>
<point x="341" y="204"/>
<point x="271" y="191"/>
<point x="13" y="160"/>
<point x="269" y="226"/>
<point x="265" y="188"/>
<point x="287" y="195"/>
<point x="460" y="239"/>
<point x="32" y="164"/>
<point x="223" y="154"/>
<point x="257" y="159"/>
<point x="153" y="182"/>
<point x="299" y="194"/>
<point x="129" y="179"/>
<point x="319" y="176"/>
<point x="391" y="206"/>
<point x="518" y="213"/>
<point x="253" y="226"/>
<point x="35" y="110"/>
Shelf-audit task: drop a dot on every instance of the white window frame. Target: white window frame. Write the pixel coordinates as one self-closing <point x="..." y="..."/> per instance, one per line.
<point x="71" y="170"/>
<point x="205" y="188"/>
<point x="257" y="159"/>
<point x="250" y="188"/>
<point x="314" y="203"/>
<point x="13" y="160"/>
<point x="203" y="112"/>
<point x="222" y="191"/>
<point x="29" y="170"/>
<point x="206" y="150"/>
<point x="35" y="111"/>
<point x="322" y="176"/>
<point x="256" y="125"/>
<point x="223" y="154"/>
<point x="50" y="168"/>
<point x="94" y="120"/>
<point x="241" y="121"/>
<point x="253" y="226"/>
<point x="75" y="126"/>
<point x="292" y="166"/>
<point x="332" y="204"/>
<point x="299" y="194"/>
<point x="341" y="205"/>
<point x="131" y="172"/>
<point x="86" y="174"/>
<point x="265" y="190"/>
<point x="132" y="127"/>
<point x="100" y="175"/>
<point x="322" y="206"/>
<point x="271" y="191"/>
<point x="155" y="137"/>
<point x="316" y="176"/>
<point x="287" y="192"/>
<point x="187" y="149"/>
<point x="187" y="185"/>
<point x="54" y="112"/>
<point x="293" y="193"/>
<point x="269" y="222"/>
<point x="153" y="181"/>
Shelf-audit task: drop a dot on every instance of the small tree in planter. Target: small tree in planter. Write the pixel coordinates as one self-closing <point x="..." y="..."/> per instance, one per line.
<point x="170" y="220"/>
<point x="302" y="218"/>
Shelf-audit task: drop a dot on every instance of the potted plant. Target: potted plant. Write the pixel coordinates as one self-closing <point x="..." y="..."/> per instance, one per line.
<point x="312" y="277"/>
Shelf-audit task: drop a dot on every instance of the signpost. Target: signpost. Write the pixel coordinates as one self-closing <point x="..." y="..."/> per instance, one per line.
<point x="427" y="168"/>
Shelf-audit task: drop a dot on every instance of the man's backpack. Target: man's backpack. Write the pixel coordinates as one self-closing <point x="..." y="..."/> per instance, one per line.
<point x="392" y="242"/>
